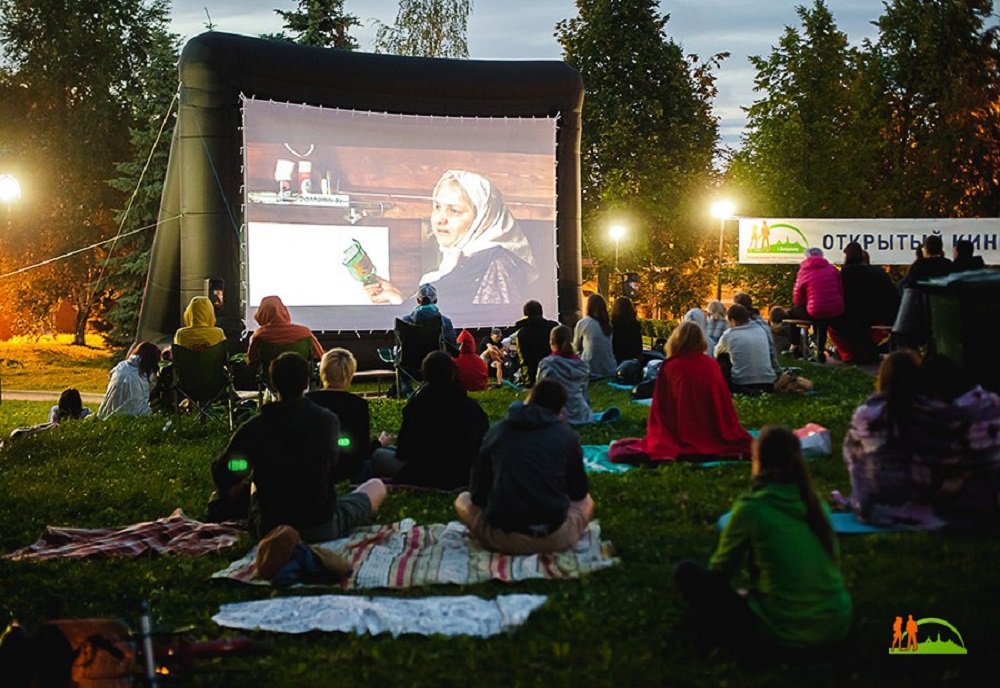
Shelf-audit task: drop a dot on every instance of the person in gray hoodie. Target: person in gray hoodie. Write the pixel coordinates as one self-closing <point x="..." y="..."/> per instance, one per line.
<point x="528" y="490"/>
<point x="565" y="367"/>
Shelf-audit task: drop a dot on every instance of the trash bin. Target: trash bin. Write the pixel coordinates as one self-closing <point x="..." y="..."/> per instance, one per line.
<point x="964" y="307"/>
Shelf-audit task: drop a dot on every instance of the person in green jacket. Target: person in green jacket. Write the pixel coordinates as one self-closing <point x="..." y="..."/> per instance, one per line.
<point x="781" y="531"/>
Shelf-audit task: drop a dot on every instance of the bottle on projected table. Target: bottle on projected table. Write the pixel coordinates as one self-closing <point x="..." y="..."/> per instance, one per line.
<point x="359" y="264"/>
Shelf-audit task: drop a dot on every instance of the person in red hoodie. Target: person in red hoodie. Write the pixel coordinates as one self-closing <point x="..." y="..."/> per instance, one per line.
<point x="470" y="368"/>
<point x="818" y="296"/>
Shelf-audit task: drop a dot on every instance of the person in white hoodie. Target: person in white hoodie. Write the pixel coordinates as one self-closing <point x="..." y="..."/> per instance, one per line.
<point x="564" y="366"/>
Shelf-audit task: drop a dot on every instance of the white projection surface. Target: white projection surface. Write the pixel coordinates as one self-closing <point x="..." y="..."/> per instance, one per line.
<point x="347" y="213"/>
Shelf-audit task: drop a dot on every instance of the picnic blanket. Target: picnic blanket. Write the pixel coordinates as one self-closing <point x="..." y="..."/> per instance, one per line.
<point x="404" y="555"/>
<point x="449" y="616"/>
<point x="595" y="460"/>
<point x="845" y="523"/>
<point x="175" y="534"/>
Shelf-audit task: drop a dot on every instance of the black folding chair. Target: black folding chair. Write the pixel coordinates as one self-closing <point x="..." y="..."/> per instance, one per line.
<point x="413" y="342"/>
<point x="270" y="351"/>
<point x="202" y="378"/>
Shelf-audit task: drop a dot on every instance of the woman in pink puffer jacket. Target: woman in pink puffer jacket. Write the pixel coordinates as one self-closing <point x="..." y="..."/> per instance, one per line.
<point x="818" y="295"/>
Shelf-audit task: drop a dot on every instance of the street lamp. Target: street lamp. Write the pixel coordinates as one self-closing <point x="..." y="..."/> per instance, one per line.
<point x="10" y="192"/>
<point x="616" y="232"/>
<point x="723" y="210"/>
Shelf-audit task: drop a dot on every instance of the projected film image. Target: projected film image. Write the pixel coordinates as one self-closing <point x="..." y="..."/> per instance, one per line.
<point x="347" y="213"/>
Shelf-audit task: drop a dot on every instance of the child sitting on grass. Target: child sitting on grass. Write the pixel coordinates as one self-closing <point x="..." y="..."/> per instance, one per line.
<point x="780" y="531"/>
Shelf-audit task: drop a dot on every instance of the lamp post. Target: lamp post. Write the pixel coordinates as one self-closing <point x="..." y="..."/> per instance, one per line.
<point x="723" y="210"/>
<point x="616" y="232"/>
<point x="10" y="192"/>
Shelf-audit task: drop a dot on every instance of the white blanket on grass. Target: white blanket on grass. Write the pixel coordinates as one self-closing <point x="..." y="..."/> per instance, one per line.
<point x="449" y="616"/>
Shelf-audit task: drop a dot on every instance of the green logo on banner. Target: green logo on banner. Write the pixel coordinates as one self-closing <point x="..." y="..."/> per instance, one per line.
<point x="780" y="238"/>
<point x="905" y="638"/>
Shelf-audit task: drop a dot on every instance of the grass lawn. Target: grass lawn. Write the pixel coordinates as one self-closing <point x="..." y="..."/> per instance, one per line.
<point x="624" y="626"/>
<point x="53" y="364"/>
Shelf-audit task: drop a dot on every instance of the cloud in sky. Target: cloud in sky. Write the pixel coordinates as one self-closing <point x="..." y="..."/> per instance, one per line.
<point x="524" y="29"/>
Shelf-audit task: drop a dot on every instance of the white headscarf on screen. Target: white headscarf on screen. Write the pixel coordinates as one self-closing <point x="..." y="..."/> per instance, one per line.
<point x="492" y="226"/>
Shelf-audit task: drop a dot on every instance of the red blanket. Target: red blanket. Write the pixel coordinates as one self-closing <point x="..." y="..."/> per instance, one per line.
<point x="692" y="414"/>
<point x="176" y="534"/>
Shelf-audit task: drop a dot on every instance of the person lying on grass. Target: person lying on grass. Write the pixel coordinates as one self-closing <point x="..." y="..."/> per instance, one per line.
<point x="781" y="532"/>
<point x="529" y="492"/>
<point x="289" y="453"/>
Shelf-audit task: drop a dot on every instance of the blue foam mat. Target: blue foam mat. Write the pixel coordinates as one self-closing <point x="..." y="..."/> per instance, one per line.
<point x="845" y="523"/>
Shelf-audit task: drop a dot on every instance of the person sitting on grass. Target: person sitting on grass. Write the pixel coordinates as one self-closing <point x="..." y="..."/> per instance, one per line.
<point x="744" y="352"/>
<point x="532" y="337"/>
<point x="745" y="300"/>
<point x="529" y="492"/>
<point x="692" y="415"/>
<point x="565" y="367"/>
<point x="780" y="532"/>
<point x="470" y="369"/>
<point x="493" y="353"/>
<point x="924" y="449"/>
<point x="289" y="452"/>
<point x="336" y="370"/>
<point x="129" y="383"/>
<point x="440" y="435"/>
<point x="199" y="331"/>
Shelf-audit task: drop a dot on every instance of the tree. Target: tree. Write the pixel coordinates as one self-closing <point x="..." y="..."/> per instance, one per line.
<point x="426" y="28"/>
<point x="76" y="78"/>
<point x="812" y="146"/>
<point x="649" y="137"/>
<point x="939" y="68"/>
<point x="141" y="177"/>
<point x="320" y="23"/>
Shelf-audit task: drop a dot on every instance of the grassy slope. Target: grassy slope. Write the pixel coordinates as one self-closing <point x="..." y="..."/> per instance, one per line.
<point x="624" y="625"/>
<point x="54" y="365"/>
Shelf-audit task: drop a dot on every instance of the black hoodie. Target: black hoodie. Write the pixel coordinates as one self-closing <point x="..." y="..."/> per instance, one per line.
<point x="529" y="470"/>
<point x="291" y="450"/>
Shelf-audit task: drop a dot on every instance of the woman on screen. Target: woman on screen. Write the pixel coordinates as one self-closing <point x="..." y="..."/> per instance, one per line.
<point x="485" y="257"/>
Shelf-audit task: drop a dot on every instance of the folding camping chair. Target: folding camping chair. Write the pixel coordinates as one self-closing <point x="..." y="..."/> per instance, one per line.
<point x="202" y="378"/>
<point x="270" y="351"/>
<point x="413" y="342"/>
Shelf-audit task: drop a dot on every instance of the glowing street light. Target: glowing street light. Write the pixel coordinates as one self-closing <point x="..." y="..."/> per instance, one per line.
<point x="722" y="209"/>
<point x="616" y="232"/>
<point x="10" y="189"/>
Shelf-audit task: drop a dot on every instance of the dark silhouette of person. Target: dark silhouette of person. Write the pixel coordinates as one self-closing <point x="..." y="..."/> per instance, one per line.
<point x="911" y="633"/>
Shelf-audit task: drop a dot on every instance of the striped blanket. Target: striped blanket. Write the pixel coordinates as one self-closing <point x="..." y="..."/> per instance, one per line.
<point x="404" y="555"/>
<point x="176" y="534"/>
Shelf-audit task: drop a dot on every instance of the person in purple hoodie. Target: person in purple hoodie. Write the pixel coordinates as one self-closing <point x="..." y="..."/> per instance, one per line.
<point x="818" y="296"/>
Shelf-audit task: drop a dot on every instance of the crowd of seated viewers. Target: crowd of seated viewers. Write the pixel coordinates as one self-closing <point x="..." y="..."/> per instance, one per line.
<point x="923" y="450"/>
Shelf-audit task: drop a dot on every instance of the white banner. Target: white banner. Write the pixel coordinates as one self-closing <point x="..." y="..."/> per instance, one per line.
<point x="888" y="242"/>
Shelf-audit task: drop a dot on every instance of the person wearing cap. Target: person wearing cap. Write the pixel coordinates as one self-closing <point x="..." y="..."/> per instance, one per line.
<point x="492" y="352"/>
<point x="818" y="296"/>
<point x="427" y="309"/>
